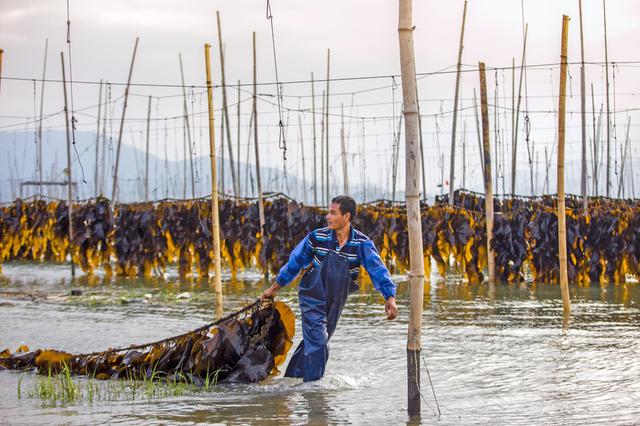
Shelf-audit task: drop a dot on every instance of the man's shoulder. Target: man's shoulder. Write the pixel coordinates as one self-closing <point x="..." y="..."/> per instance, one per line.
<point x="359" y="236"/>
<point x="321" y="233"/>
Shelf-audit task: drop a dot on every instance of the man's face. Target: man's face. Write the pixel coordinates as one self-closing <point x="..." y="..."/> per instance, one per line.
<point x="335" y="218"/>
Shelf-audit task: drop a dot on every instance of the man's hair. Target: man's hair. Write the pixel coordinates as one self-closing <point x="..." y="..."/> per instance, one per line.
<point x="347" y="205"/>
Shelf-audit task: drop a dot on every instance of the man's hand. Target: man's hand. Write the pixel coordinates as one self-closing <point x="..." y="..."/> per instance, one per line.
<point x="390" y="308"/>
<point x="271" y="292"/>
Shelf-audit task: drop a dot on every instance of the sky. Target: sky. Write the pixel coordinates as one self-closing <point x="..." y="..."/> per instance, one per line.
<point x="363" y="39"/>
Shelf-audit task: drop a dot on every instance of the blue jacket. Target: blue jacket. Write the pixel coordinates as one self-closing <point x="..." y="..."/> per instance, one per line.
<point x="358" y="250"/>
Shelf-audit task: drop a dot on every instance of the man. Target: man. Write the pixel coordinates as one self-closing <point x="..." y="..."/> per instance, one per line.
<point x="335" y="254"/>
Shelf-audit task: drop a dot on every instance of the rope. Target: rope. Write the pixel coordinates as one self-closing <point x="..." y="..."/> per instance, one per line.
<point x="282" y="143"/>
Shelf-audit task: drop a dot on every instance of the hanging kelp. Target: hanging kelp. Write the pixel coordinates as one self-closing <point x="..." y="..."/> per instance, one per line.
<point x="244" y="347"/>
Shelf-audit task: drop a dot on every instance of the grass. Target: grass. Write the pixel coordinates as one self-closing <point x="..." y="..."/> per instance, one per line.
<point x="64" y="388"/>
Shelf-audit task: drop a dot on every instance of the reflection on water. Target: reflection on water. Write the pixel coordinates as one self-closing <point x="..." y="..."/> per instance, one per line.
<point x="496" y="355"/>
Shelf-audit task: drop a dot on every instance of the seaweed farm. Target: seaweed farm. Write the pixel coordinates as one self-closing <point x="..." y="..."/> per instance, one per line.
<point x="284" y="212"/>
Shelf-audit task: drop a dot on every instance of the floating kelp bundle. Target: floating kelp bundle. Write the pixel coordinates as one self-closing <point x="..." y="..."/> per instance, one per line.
<point x="244" y="347"/>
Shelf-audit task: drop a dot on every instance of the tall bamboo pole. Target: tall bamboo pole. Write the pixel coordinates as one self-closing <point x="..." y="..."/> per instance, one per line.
<point x="44" y="74"/>
<point x="304" y="173"/>
<point x="323" y="192"/>
<point x="326" y="124"/>
<point x="188" y="128"/>
<point x="215" y="214"/>
<point x="595" y="144"/>
<point x="412" y="197"/>
<point x="343" y="148"/>
<point x="583" y="117"/>
<point x="69" y="174"/>
<point x="606" y="64"/>
<point x="114" y="187"/>
<point x="486" y="155"/>
<point x="562" y="219"/>
<point x="234" y="181"/>
<point x="464" y="154"/>
<point x="517" y="114"/>
<point x="96" y="173"/>
<point x="146" y="154"/>
<point x="1" y="53"/>
<point x="315" y="155"/>
<point x="257" y="153"/>
<point x="238" y="145"/>
<point x="422" y="165"/>
<point x="478" y="132"/>
<point x="624" y="157"/>
<point x="452" y="166"/>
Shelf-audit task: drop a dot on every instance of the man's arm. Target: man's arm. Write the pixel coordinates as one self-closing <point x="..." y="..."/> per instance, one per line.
<point x="380" y="277"/>
<point x="301" y="256"/>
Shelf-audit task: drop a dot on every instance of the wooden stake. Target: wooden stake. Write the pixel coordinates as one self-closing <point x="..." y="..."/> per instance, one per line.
<point x="488" y="189"/>
<point x="234" y="181"/>
<point x="478" y="132"/>
<point x="606" y="64"/>
<point x="452" y="166"/>
<point x="595" y="144"/>
<point x="1" y="53"/>
<point x="257" y="153"/>
<point x="44" y="74"/>
<point x="412" y="197"/>
<point x="345" y="173"/>
<point x="114" y="187"/>
<point x="517" y="114"/>
<point x="146" y="155"/>
<point x="69" y="174"/>
<point x="304" y="181"/>
<point x="97" y="167"/>
<point x="315" y="152"/>
<point x="188" y="128"/>
<point x="464" y="155"/>
<point x="323" y="192"/>
<point x="562" y="225"/>
<point x="215" y="214"/>
<point x="238" y="150"/>
<point x="583" y="118"/>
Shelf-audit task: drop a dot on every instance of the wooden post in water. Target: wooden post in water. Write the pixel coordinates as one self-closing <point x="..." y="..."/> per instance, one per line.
<point x="257" y="153"/>
<point x="188" y="128"/>
<point x="114" y="187"/>
<point x="315" y="155"/>
<point x="583" y="118"/>
<point x="146" y="155"/>
<point x="412" y="197"/>
<point x="606" y="64"/>
<point x="595" y="144"/>
<point x="234" y="181"/>
<point x="517" y="114"/>
<point x="69" y="174"/>
<point x="323" y="192"/>
<point x="624" y="158"/>
<point x="488" y="189"/>
<point x="215" y="214"/>
<point x="96" y="173"/>
<point x="464" y="154"/>
<point x="44" y="74"/>
<point x="343" y="148"/>
<point x="478" y="132"/>
<point x="326" y="132"/>
<point x="562" y="219"/>
<point x="238" y="146"/>
<point x="452" y="166"/>
<point x="304" y="173"/>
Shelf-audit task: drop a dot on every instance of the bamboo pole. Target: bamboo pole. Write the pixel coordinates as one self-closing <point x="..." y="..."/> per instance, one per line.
<point x="606" y="64"/>
<point x="1" y="54"/>
<point x="261" y="209"/>
<point x="343" y="148"/>
<point x="304" y="180"/>
<point x="478" y="132"/>
<point x="464" y="154"/>
<point x="412" y="197"/>
<point x="215" y="214"/>
<point x="326" y="124"/>
<point x="238" y="145"/>
<point x="562" y="225"/>
<point x="114" y="187"/>
<point x="96" y="171"/>
<point x="624" y="158"/>
<point x="517" y="113"/>
<point x="323" y="192"/>
<point x="222" y="174"/>
<point x="44" y="74"/>
<point x="69" y="174"/>
<point x="146" y="155"/>
<point x="452" y="166"/>
<point x="315" y="152"/>
<point x="486" y="155"/>
<point x="234" y="181"/>
<point x="595" y="144"/>
<point x="583" y="118"/>
<point x="188" y="127"/>
<point x="422" y="165"/>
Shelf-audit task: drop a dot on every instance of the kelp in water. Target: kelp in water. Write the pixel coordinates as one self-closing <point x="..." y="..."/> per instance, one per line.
<point x="244" y="347"/>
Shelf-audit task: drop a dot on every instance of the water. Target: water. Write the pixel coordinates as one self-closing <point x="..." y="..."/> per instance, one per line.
<point x="496" y="356"/>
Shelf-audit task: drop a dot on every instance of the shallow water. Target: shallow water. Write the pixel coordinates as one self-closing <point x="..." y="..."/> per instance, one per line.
<point x="495" y="355"/>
